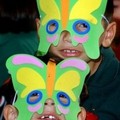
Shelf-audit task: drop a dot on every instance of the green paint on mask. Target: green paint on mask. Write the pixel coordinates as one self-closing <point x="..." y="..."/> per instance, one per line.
<point x="55" y="19"/>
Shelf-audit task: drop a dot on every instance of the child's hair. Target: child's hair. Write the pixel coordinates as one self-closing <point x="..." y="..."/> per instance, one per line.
<point x="18" y="15"/>
<point x="109" y="10"/>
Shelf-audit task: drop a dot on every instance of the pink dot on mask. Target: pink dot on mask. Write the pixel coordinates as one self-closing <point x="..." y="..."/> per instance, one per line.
<point x="81" y="39"/>
<point x="35" y="108"/>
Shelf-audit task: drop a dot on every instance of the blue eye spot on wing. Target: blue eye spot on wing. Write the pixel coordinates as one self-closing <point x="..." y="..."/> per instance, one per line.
<point x="63" y="99"/>
<point x="52" y="26"/>
<point x="81" y="27"/>
<point x="34" y="97"/>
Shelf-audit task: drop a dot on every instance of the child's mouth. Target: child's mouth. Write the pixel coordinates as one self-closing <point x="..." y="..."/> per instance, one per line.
<point x="70" y="53"/>
<point x="48" y="117"/>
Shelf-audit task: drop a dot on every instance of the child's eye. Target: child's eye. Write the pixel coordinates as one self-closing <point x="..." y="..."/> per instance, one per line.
<point x="52" y="26"/>
<point x="34" y="97"/>
<point x="81" y="27"/>
<point x="63" y="99"/>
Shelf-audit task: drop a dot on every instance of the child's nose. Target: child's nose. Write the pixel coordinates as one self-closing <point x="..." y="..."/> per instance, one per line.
<point x="49" y="102"/>
<point x="65" y="36"/>
<point x="49" y="106"/>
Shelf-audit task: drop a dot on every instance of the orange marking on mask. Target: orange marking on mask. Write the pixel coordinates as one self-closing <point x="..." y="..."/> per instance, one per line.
<point x="51" y="71"/>
<point x="64" y="12"/>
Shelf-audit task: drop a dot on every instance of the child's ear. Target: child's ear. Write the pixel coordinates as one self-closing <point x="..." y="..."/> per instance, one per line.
<point x="109" y="34"/>
<point x="10" y="112"/>
<point x="82" y="114"/>
<point x="37" y="23"/>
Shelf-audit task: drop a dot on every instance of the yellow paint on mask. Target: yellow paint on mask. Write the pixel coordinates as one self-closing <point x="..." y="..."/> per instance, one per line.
<point x="84" y="8"/>
<point x="67" y="82"/>
<point x="30" y="79"/>
<point x="47" y="6"/>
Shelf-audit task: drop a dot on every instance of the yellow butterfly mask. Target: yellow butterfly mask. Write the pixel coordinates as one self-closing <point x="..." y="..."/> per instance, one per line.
<point x="34" y="82"/>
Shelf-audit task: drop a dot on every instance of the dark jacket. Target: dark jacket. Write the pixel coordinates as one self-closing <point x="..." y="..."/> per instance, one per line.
<point x="104" y="88"/>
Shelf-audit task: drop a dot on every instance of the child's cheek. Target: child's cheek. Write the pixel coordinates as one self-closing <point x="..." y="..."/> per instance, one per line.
<point x="34" y="108"/>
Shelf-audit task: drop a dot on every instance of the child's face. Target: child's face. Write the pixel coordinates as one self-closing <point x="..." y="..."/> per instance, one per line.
<point x="65" y="49"/>
<point x="44" y="88"/>
<point x="80" y="27"/>
<point x="49" y="112"/>
<point x="11" y="113"/>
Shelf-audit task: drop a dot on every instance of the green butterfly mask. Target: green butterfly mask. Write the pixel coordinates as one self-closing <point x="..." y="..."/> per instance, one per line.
<point x="31" y="76"/>
<point x="68" y="15"/>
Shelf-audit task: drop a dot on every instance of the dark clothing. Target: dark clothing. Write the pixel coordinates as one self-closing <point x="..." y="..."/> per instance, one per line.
<point x="11" y="44"/>
<point x="104" y="88"/>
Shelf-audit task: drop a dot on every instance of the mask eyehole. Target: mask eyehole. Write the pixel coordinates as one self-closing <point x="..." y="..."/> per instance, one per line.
<point x="52" y="26"/>
<point x="63" y="99"/>
<point x="34" y="97"/>
<point x="81" y="27"/>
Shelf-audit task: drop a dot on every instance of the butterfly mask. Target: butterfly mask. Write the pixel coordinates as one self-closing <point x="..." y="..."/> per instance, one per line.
<point x="81" y="18"/>
<point x="35" y="82"/>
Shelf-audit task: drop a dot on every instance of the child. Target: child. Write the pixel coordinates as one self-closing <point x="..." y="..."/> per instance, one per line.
<point x="45" y="91"/>
<point x="85" y="29"/>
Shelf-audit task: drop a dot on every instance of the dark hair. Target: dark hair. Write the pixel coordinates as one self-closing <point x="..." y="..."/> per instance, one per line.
<point x="18" y="15"/>
<point x="109" y="10"/>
